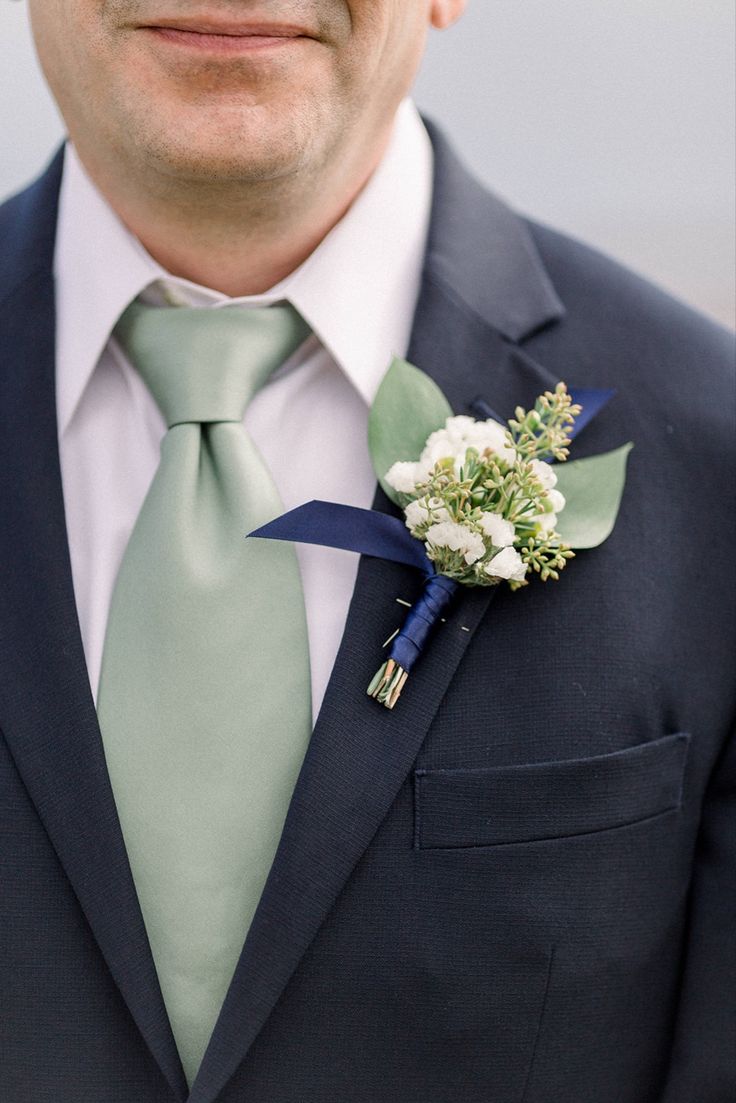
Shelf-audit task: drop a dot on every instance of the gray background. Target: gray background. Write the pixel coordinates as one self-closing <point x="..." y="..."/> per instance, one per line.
<point x="611" y="119"/>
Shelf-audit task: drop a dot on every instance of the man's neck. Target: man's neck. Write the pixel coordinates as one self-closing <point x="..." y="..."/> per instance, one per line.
<point x="239" y="239"/>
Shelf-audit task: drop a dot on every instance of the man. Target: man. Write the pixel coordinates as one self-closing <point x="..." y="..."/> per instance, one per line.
<point x="515" y="886"/>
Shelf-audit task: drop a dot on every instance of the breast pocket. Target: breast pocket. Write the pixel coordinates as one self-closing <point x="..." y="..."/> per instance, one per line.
<point x="548" y="800"/>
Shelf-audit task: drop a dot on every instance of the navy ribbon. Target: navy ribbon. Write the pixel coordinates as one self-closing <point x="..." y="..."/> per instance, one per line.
<point x="423" y="618"/>
<point x="358" y="530"/>
<point x="591" y="399"/>
<point x="377" y="534"/>
<point x="592" y="402"/>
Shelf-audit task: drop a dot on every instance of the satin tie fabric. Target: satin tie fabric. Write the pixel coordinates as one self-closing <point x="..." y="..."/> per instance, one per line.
<point x="204" y="701"/>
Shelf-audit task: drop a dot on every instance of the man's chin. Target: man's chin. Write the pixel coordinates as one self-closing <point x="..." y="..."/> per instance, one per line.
<point x="223" y="146"/>
<point x="238" y="163"/>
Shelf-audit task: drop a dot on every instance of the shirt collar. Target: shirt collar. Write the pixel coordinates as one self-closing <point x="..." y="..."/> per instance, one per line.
<point x="357" y="290"/>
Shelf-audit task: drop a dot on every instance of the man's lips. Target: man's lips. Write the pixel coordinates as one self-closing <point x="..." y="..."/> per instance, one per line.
<point x="224" y="37"/>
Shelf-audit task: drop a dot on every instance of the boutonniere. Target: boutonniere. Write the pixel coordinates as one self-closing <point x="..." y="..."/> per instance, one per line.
<point x="485" y="502"/>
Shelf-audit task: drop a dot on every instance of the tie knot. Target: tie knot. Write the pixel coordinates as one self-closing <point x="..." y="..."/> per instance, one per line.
<point x="205" y="364"/>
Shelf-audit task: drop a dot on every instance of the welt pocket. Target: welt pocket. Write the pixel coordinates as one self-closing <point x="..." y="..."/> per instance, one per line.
<point x="548" y="800"/>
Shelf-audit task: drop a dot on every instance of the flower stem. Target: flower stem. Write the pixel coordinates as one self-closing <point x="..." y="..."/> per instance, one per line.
<point x="388" y="683"/>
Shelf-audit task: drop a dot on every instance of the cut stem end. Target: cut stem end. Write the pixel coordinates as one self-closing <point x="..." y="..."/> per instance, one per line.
<point x="388" y="683"/>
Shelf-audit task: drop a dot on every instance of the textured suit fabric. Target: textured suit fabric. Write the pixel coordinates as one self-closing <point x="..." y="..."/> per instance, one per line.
<point x="517" y="888"/>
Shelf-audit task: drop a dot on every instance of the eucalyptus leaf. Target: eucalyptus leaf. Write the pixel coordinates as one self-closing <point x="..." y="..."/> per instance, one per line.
<point x="407" y="408"/>
<point x="593" y="488"/>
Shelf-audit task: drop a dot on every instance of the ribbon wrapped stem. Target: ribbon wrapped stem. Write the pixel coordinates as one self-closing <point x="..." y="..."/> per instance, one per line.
<point x="409" y="644"/>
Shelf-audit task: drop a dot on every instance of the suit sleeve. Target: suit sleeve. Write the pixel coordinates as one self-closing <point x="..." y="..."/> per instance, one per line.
<point x="703" y="1061"/>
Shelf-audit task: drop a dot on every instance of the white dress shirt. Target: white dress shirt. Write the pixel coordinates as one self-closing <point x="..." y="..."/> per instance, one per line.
<point x="357" y="291"/>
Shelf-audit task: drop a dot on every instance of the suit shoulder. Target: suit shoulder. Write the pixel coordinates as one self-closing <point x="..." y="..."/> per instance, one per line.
<point x="28" y="227"/>
<point x="12" y="211"/>
<point x="670" y="364"/>
<point x="601" y="294"/>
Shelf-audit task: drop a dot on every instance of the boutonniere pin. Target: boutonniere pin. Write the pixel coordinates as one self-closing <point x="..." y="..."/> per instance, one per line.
<point x="485" y="502"/>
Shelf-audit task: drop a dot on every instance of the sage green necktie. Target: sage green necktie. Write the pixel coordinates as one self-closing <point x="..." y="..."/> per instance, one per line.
<point x="204" y="699"/>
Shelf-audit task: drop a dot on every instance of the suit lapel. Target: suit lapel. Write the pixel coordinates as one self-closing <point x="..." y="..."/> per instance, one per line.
<point x="47" y="713"/>
<point x="483" y="289"/>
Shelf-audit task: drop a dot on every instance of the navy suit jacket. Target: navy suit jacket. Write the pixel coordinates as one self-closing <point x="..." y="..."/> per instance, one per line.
<point x="515" y="888"/>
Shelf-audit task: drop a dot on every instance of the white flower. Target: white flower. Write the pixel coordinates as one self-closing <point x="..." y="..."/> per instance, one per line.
<point x="456" y="537"/>
<point x="452" y="443"/>
<point x="544" y="473"/>
<point x="458" y="435"/>
<point x="507" y="564"/>
<point x="556" y="500"/>
<point x="459" y="426"/>
<point x="485" y="435"/>
<point x="425" y="511"/>
<point x="416" y="514"/>
<point x="500" y="531"/>
<point x="402" y="477"/>
<point x="441" y="445"/>
<point x="546" y="522"/>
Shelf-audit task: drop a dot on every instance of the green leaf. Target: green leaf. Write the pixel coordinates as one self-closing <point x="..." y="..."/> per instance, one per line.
<point x="408" y="407"/>
<point x="593" y="490"/>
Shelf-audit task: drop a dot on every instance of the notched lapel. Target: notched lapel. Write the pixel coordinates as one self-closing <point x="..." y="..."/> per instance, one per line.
<point x="47" y="714"/>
